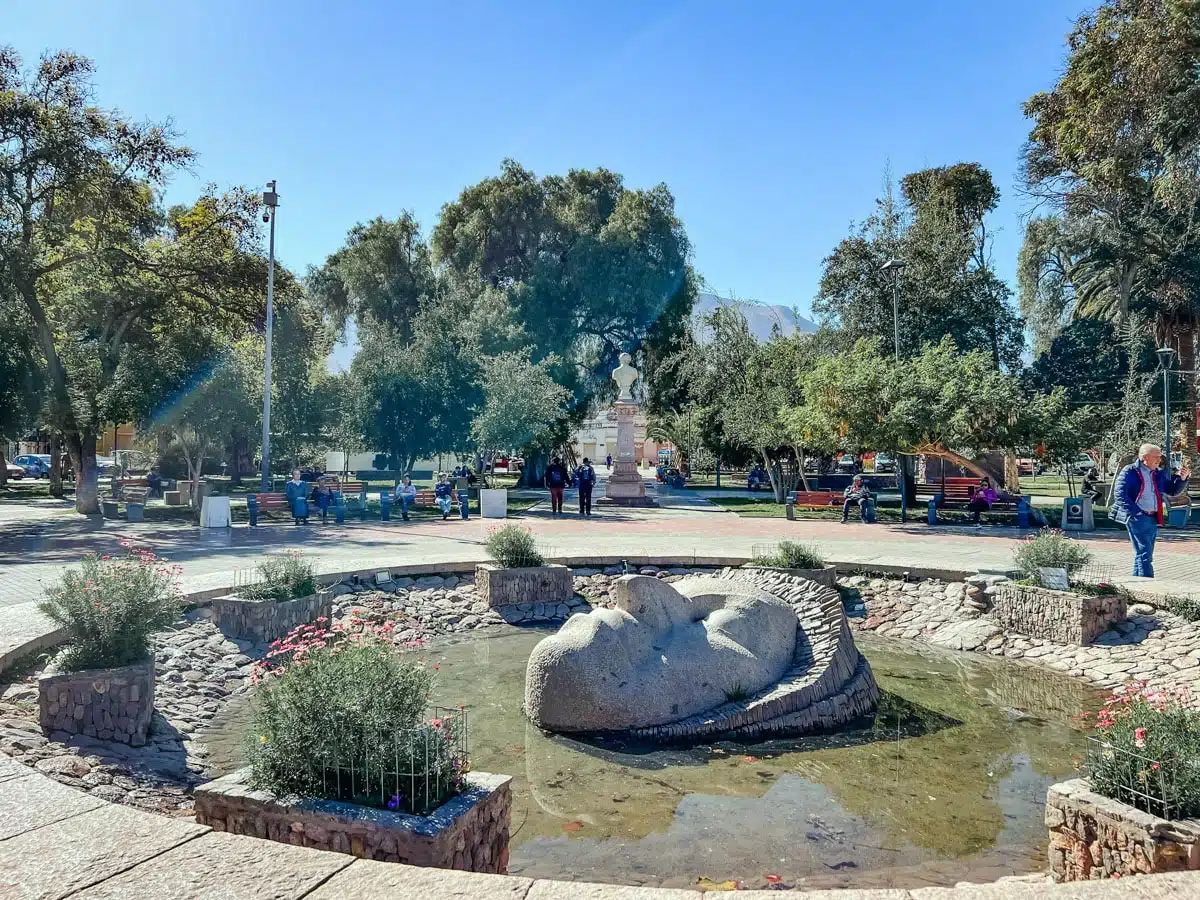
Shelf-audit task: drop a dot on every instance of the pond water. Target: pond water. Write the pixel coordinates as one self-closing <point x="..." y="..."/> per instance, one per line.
<point x="946" y="783"/>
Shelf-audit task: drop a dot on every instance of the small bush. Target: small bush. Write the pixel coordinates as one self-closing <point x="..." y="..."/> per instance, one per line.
<point x="514" y="548"/>
<point x="286" y="577"/>
<point x="1050" y="549"/>
<point x="792" y="555"/>
<point x="1187" y="608"/>
<point x="110" y="606"/>
<point x="1147" y="751"/>
<point x="345" y="719"/>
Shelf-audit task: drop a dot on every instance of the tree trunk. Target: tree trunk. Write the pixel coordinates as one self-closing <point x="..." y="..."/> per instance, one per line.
<point x="718" y="471"/>
<point x="82" y="448"/>
<point x="1187" y="360"/>
<point x="3" y="468"/>
<point x="56" y="472"/>
<point x="534" y="473"/>
<point x="1012" y="473"/>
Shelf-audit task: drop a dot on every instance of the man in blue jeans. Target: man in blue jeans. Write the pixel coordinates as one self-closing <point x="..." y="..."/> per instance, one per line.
<point x="1137" y="502"/>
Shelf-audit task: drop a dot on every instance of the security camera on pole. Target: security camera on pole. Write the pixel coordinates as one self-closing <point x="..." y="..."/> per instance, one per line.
<point x="271" y="203"/>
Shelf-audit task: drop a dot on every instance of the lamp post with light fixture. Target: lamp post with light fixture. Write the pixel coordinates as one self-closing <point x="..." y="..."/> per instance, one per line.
<point x="271" y="202"/>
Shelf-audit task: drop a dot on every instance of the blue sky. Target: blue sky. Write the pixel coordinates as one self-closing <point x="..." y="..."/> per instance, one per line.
<point x="771" y="122"/>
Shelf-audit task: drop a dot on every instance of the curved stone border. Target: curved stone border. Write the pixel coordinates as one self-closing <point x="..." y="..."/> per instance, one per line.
<point x="829" y="683"/>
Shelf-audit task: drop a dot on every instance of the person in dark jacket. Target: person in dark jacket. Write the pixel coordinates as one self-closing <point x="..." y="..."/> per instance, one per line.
<point x="982" y="499"/>
<point x="1091" y="486"/>
<point x="1137" y="502"/>
<point x="443" y="492"/>
<point x="557" y="479"/>
<point x="322" y="496"/>
<point x="585" y="475"/>
<point x="857" y="494"/>
<point x="297" y="495"/>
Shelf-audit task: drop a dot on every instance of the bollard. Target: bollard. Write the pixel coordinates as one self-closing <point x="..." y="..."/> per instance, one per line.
<point x="790" y="509"/>
<point x="252" y="509"/>
<point x="464" y="504"/>
<point x="339" y="509"/>
<point x="385" y="506"/>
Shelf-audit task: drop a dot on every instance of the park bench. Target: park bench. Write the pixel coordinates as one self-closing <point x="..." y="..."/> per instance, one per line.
<point x="122" y="486"/>
<point x="427" y="497"/>
<point x="815" y="499"/>
<point x="955" y="493"/>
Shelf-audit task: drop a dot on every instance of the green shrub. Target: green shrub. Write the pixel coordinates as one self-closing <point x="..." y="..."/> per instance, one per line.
<point x="286" y="577"/>
<point x="513" y="548"/>
<point x="1187" y="608"/>
<point x="1051" y="549"/>
<point x="1146" y="751"/>
<point x="347" y="720"/>
<point x="792" y="555"/>
<point x="109" y="607"/>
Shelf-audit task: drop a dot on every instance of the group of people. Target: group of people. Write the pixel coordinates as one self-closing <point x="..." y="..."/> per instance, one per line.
<point x="558" y="478"/>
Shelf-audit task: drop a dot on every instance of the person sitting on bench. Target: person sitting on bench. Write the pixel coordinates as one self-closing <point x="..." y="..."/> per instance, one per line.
<point x="322" y="496"/>
<point x="858" y="493"/>
<point x="297" y="495"/>
<point x="154" y="483"/>
<point x="982" y="499"/>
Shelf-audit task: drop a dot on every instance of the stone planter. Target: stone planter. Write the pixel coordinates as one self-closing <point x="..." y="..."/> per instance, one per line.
<point x="826" y="576"/>
<point x="107" y="704"/>
<point x="468" y="832"/>
<point x="262" y="621"/>
<point x="499" y="587"/>
<point x="1094" y="837"/>
<point x="1062" y="616"/>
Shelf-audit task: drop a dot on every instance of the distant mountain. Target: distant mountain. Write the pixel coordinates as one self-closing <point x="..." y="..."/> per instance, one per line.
<point x="761" y="317"/>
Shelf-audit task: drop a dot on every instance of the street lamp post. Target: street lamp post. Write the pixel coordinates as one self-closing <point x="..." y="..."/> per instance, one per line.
<point x="1166" y="357"/>
<point x="894" y="267"/>
<point x="271" y="202"/>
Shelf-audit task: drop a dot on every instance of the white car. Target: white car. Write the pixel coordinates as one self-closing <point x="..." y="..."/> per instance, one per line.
<point x="15" y="472"/>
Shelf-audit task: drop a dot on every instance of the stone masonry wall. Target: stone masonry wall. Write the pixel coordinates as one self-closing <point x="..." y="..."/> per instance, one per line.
<point x="1062" y="616"/>
<point x="1093" y="837"/>
<point x="537" y="584"/>
<point x="107" y="704"/>
<point x="468" y="832"/>
<point x="262" y="621"/>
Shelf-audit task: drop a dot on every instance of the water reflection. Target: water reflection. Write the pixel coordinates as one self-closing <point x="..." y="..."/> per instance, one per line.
<point x="948" y="782"/>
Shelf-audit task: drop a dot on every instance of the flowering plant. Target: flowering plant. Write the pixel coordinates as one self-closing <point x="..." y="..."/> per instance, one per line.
<point x="109" y="607"/>
<point x="1146" y="750"/>
<point x="341" y="715"/>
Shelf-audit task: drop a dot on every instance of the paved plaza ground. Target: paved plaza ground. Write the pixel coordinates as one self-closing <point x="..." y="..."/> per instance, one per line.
<point x="39" y="539"/>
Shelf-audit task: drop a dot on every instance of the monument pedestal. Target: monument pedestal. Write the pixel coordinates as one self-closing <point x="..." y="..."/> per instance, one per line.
<point x="625" y="486"/>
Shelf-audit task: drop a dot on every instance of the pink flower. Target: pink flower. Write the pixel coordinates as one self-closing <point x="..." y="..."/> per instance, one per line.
<point x="1139" y="737"/>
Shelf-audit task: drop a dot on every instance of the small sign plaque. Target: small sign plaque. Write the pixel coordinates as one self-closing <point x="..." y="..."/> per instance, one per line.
<point x="1055" y="579"/>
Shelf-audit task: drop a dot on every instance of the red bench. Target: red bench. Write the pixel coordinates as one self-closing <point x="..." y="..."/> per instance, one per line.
<point x="816" y="499"/>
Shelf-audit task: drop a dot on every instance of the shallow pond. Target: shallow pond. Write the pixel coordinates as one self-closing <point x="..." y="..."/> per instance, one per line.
<point x="948" y="782"/>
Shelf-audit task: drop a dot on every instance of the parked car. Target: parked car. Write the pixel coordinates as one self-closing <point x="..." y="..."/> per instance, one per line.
<point x="847" y="463"/>
<point x="885" y="462"/>
<point x="1081" y="464"/>
<point x="36" y="465"/>
<point x="15" y="472"/>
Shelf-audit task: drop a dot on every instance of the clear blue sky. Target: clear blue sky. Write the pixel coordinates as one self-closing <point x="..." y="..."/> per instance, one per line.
<point x="771" y="122"/>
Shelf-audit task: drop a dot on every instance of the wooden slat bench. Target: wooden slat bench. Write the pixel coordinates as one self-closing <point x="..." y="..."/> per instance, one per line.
<point x="427" y="497"/>
<point x="816" y="499"/>
<point x="956" y="494"/>
<point x="259" y="503"/>
<point x="121" y="487"/>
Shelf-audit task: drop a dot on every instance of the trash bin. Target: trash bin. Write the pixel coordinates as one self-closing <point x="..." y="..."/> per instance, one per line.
<point x="1077" y="514"/>
<point x="1179" y="512"/>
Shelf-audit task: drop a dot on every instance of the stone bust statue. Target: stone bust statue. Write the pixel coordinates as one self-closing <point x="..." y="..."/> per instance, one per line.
<point x="625" y="375"/>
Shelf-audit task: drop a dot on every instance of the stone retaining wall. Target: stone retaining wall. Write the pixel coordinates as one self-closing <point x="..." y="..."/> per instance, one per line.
<point x="106" y="704"/>
<point x="827" y="575"/>
<point x="1062" y="616"/>
<point x="262" y="621"/>
<point x="468" y="832"/>
<point x="546" y="585"/>
<point x="1094" y="837"/>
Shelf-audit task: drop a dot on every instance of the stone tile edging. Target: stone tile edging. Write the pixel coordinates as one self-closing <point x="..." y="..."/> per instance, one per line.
<point x="56" y="842"/>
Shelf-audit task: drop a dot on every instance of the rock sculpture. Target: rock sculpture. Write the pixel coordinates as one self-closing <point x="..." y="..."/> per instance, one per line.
<point x="744" y="654"/>
<point x="661" y="655"/>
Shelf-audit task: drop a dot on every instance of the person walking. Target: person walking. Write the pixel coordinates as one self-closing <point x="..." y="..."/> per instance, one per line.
<point x="608" y="461"/>
<point x="1137" y="502"/>
<point x="297" y="496"/>
<point x="586" y="476"/>
<point x="557" y="477"/>
<point x="981" y="500"/>
<point x="443" y="492"/>
<point x="406" y="496"/>
<point x="856" y="493"/>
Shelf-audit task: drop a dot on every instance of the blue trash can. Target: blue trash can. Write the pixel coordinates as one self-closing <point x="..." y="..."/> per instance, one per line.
<point x="385" y="506"/>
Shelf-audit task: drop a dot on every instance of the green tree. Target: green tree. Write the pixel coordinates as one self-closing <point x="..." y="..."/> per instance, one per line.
<point x="20" y="381"/>
<point x="939" y="229"/>
<point x="125" y="300"/>
<point x="1114" y="150"/>
<point x="521" y="403"/>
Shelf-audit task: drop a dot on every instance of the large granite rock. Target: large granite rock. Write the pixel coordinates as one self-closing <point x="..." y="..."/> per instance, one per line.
<point x="666" y="652"/>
